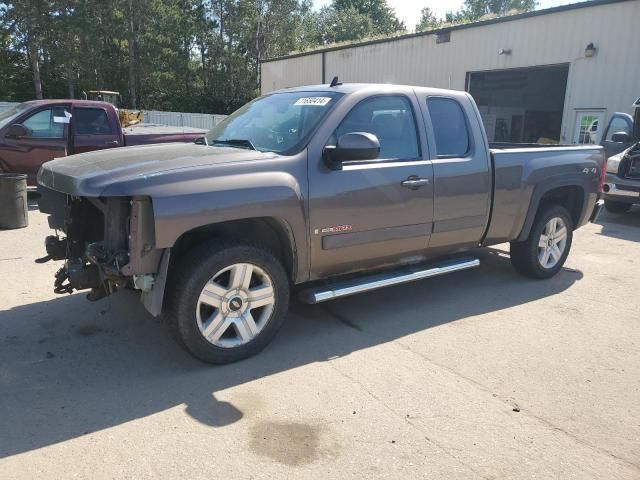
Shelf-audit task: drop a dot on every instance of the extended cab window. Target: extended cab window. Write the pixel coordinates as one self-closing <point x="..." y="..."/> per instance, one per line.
<point x="42" y="124"/>
<point x="91" y="121"/>
<point x="449" y="127"/>
<point x="390" y="118"/>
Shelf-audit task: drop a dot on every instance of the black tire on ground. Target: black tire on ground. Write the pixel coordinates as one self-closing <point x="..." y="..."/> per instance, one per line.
<point x="189" y="276"/>
<point x="617" y="207"/>
<point x="524" y="255"/>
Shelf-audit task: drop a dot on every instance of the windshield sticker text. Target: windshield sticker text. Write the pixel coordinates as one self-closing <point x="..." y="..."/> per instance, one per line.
<point x="313" y="101"/>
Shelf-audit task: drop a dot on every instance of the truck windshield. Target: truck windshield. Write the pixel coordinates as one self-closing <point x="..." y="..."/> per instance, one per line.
<point x="280" y="122"/>
<point x="7" y="116"/>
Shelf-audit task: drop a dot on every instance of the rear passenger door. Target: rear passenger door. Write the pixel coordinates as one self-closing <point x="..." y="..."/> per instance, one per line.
<point x="93" y="130"/>
<point x="461" y="167"/>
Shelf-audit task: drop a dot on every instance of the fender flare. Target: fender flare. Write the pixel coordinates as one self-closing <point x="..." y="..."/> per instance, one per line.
<point x="578" y="180"/>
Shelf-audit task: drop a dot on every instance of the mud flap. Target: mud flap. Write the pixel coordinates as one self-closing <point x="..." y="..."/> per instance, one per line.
<point x="597" y="209"/>
<point x="152" y="300"/>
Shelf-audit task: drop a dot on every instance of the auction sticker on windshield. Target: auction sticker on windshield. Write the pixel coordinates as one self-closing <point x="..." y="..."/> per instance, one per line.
<point x="313" y="101"/>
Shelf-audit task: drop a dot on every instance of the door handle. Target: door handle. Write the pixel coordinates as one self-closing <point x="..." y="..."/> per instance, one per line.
<point x="414" y="182"/>
<point x="112" y="142"/>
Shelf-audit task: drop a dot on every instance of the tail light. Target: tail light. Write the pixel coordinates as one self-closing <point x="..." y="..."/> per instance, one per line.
<point x="603" y="173"/>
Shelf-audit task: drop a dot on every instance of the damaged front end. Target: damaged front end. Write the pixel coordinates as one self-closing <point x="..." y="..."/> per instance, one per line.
<point x="106" y="243"/>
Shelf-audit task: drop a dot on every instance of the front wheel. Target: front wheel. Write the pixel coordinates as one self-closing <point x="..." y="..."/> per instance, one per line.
<point x="226" y="302"/>
<point x="543" y="254"/>
<point x="617" y="207"/>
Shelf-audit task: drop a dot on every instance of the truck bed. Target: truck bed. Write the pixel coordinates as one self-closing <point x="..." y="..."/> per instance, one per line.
<point x="515" y="163"/>
<point x="146" y="133"/>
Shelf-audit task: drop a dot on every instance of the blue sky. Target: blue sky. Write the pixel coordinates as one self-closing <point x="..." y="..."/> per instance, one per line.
<point x="409" y="10"/>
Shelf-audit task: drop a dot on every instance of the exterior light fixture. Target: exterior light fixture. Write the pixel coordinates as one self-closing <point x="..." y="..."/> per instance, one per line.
<point x="504" y="51"/>
<point x="590" y="51"/>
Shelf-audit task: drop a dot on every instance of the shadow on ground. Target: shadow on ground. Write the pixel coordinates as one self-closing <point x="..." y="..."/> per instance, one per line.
<point x="69" y="367"/>
<point x="614" y="225"/>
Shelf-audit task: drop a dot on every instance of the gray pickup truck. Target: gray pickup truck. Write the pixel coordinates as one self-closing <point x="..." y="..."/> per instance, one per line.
<point x="331" y="190"/>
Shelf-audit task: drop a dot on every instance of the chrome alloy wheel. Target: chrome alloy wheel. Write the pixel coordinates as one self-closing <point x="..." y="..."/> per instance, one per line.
<point x="235" y="305"/>
<point x="552" y="243"/>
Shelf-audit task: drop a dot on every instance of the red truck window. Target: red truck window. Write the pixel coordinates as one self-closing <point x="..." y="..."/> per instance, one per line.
<point x="42" y="125"/>
<point x="91" y="121"/>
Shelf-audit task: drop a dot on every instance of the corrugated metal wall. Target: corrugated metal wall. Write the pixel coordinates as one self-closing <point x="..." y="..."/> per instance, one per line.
<point x="292" y="72"/>
<point x="610" y="80"/>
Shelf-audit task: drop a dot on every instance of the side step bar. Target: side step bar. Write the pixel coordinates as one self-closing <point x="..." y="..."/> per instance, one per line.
<point x="344" y="288"/>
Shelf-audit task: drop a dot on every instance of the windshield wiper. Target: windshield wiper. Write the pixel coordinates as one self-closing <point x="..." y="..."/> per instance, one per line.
<point x="235" y="142"/>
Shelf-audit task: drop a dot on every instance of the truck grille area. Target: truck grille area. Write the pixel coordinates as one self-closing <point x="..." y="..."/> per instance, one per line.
<point x="91" y="238"/>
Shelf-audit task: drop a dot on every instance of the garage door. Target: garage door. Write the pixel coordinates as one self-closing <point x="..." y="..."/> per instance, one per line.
<point x="522" y="105"/>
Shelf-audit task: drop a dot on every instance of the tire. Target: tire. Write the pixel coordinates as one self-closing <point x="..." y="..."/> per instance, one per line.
<point x="528" y="257"/>
<point x="212" y="322"/>
<point x="617" y="207"/>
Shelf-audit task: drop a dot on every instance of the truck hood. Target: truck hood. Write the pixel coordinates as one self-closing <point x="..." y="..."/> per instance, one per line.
<point x="90" y="174"/>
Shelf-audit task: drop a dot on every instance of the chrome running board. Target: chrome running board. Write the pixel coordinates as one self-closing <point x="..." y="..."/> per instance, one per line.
<point x="344" y="288"/>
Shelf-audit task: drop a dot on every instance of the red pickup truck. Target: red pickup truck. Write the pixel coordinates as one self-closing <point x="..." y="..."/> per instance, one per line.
<point x="35" y="132"/>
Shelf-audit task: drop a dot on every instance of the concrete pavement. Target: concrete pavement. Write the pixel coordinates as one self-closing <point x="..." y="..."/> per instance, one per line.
<point x="479" y="374"/>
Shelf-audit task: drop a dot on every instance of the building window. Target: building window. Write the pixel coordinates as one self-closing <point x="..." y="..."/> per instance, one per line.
<point x="589" y="125"/>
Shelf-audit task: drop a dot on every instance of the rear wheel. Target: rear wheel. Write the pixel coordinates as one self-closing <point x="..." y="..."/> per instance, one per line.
<point x="543" y="254"/>
<point x="226" y="303"/>
<point x="617" y="207"/>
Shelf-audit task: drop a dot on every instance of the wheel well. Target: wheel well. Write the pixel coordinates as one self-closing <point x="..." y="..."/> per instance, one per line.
<point x="570" y="197"/>
<point x="268" y="232"/>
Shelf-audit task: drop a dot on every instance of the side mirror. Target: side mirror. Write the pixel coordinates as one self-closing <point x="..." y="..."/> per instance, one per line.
<point x="17" y="131"/>
<point x="621" y="137"/>
<point x="356" y="146"/>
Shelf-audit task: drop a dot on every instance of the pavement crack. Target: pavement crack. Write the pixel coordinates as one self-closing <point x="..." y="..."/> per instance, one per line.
<point x="342" y="318"/>
<point x="545" y="422"/>
<point x="446" y="450"/>
<point x="476" y="384"/>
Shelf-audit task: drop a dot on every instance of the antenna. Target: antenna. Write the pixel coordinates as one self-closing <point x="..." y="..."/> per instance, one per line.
<point x="335" y="82"/>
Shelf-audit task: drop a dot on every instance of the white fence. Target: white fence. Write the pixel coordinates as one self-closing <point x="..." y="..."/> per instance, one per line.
<point x="174" y="119"/>
<point x="178" y="119"/>
<point x="6" y="106"/>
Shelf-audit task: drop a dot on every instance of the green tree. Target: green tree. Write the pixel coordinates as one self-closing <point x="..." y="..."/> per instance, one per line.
<point x="428" y="20"/>
<point x="475" y="9"/>
<point x="382" y="16"/>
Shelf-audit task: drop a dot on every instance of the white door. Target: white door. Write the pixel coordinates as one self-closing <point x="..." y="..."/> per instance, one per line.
<point x="589" y="126"/>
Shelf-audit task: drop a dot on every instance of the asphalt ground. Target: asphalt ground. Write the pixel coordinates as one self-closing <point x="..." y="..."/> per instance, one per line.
<point x="479" y="374"/>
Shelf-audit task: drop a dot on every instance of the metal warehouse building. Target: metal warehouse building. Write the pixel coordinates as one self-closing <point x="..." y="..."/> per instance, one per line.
<point x="553" y="75"/>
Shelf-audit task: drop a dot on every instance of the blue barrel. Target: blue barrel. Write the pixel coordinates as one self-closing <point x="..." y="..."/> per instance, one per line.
<point x="13" y="201"/>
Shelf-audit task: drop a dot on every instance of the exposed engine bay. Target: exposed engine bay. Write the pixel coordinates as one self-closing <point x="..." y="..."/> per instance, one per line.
<point x="107" y="243"/>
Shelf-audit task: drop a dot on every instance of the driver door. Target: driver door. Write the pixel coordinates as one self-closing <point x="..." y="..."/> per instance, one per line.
<point x="370" y="215"/>
<point x="48" y="139"/>
<point x="619" y="123"/>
